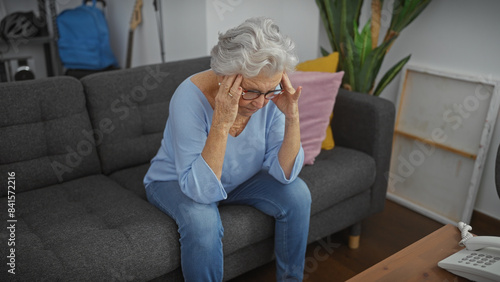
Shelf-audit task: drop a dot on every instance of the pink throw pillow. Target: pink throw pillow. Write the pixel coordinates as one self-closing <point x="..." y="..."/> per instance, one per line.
<point x="319" y="90"/>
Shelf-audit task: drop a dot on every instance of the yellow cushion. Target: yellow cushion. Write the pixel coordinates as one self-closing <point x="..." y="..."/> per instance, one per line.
<point x="323" y="64"/>
<point x="328" y="143"/>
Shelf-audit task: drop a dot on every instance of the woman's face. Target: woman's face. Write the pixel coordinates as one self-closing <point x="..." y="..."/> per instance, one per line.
<point x="261" y="83"/>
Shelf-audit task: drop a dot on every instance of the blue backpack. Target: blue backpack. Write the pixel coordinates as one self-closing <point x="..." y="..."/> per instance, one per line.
<point x="84" y="39"/>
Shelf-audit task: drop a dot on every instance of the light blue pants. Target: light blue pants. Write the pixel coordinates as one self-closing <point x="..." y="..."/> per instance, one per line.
<point x="201" y="230"/>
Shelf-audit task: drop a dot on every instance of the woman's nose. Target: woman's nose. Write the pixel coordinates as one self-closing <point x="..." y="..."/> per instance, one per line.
<point x="259" y="101"/>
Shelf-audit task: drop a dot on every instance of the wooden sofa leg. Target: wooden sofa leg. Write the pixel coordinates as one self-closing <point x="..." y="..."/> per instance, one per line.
<point x="354" y="242"/>
<point x="354" y="236"/>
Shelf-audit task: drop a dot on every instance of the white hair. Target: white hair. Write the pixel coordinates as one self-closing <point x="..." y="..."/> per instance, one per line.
<point x="253" y="47"/>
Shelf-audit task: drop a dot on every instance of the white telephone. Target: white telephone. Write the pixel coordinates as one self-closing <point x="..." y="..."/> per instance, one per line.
<point x="479" y="261"/>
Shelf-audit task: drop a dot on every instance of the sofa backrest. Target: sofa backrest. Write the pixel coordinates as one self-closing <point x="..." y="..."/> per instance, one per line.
<point x="129" y="108"/>
<point x="45" y="133"/>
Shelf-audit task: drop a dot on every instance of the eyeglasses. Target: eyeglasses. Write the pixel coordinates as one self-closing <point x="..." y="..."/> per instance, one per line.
<point x="252" y="94"/>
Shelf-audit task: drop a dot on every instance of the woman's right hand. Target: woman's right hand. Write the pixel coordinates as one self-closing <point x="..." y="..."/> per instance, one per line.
<point x="227" y="100"/>
<point x="225" y="112"/>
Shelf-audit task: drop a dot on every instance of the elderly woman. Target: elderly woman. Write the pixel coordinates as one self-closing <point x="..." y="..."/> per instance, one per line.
<point x="233" y="137"/>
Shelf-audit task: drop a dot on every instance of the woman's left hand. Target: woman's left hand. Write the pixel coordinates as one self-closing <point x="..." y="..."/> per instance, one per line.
<point x="287" y="102"/>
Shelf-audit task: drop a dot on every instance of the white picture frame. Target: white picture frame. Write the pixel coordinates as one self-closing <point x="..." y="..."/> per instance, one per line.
<point x="444" y="124"/>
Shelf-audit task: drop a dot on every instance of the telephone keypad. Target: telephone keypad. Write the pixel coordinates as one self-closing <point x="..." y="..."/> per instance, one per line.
<point x="479" y="260"/>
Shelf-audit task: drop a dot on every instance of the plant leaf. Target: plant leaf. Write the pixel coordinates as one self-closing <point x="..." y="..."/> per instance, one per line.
<point x="403" y="13"/>
<point x="327" y="22"/>
<point x="343" y="22"/>
<point x="348" y="64"/>
<point x="415" y="12"/>
<point x="390" y="75"/>
<point x="353" y="11"/>
<point x="338" y="17"/>
<point x="371" y="67"/>
<point x="363" y="42"/>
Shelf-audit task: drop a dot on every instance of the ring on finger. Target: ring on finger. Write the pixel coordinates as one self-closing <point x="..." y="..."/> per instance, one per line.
<point x="229" y="93"/>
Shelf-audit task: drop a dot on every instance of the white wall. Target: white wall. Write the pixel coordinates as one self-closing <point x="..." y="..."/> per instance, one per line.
<point x="457" y="36"/>
<point x="183" y="30"/>
<point x="296" y="18"/>
<point x="191" y="27"/>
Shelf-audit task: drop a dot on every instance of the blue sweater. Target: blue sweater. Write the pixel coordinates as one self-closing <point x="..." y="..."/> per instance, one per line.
<point x="179" y="157"/>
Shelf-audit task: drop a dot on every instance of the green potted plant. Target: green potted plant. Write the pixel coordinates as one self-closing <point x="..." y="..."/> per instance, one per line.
<point x="360" y="54"/>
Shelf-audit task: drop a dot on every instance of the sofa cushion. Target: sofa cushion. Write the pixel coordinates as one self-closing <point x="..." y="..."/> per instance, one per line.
<point x="90" y="228"/>
<point x="336" y="175"/>
<point x="132" y="179"/>
<point x="46" y="133"/>
<point x="243" y="225"/>
<point x="129" y="109"/>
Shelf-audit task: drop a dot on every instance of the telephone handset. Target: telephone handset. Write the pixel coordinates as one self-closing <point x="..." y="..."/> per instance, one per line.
<point x="479" y="261"/>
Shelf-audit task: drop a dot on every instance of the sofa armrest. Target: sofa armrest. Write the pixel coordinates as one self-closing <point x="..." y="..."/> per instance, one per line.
<point x="366" y="123"/>
<point x="497" y="171"/>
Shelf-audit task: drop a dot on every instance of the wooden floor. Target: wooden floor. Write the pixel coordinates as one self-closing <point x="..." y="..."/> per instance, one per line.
<point x="383" y="234"/>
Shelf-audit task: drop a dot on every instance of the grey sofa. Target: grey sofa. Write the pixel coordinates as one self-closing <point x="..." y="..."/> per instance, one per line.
<point x="73" y="154"/>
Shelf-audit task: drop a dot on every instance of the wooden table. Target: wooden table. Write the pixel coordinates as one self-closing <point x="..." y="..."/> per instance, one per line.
<point x="418" y="262"/>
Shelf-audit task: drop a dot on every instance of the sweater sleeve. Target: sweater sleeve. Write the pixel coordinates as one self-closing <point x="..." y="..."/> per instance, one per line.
<point x="188" y="130"/>
<point x="274" y="139"/>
